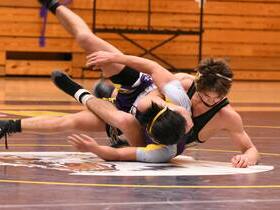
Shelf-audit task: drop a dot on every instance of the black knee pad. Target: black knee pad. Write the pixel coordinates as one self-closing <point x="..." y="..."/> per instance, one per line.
<point x="127" y="77"/>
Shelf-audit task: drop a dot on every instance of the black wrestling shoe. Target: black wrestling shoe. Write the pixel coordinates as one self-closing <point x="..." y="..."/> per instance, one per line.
<point x="50" y="4"/>
<point x="6" y="128"/>
<point x="67" y="85"/>
<point x="47" y="3"/>
<point x="102" y="89"/>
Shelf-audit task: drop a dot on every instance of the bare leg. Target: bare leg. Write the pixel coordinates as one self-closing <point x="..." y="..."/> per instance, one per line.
<point x="86" y="39"/>
<point x="82" y="121"/>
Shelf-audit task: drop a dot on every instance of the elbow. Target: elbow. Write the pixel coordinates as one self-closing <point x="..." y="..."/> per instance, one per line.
<point x="148" y="66"/>
<point x="154" y="66"/>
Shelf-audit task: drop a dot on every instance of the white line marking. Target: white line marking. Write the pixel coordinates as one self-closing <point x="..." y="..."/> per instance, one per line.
<point x="141" y="203"/>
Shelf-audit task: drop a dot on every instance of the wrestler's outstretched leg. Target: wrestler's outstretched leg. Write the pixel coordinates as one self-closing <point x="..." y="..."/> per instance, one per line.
<point x="82" y="33"/>
<point x="81" y="121"/>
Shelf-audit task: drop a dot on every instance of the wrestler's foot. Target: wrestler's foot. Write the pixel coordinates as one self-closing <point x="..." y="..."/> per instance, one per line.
<point x="103" y="89"/>
<point x="50" y="4"/>
<point x="7" y="127"/>
<point x="67" y="85"/>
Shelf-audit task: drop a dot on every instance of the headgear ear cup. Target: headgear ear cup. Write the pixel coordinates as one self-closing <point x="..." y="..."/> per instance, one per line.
<point x="101" y="89"/>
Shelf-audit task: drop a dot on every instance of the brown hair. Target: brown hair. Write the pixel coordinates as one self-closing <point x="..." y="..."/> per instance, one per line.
<point x="214" y="75"/>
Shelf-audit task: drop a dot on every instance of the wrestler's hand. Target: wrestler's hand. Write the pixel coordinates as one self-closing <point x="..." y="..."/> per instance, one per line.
<point x="82" y="142"/>
<point x="240" y="161"/>
<point x="100" y="58"/>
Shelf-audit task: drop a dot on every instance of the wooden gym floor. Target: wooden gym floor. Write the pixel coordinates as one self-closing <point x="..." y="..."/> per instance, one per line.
<point x="38" y="188"/>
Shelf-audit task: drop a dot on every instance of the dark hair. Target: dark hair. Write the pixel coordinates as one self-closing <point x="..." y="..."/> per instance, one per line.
<point x="214" y="75"/>
<point x="167" y="129"/>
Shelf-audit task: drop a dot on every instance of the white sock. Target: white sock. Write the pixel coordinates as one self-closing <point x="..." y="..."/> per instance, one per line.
<point x="82" y="96"/>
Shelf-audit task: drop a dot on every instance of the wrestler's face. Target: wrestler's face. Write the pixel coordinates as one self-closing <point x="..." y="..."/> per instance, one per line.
<point x="209" y="98"/>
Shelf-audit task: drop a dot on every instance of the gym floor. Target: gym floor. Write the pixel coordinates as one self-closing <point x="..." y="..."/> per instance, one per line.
<point x="39" y="188"/>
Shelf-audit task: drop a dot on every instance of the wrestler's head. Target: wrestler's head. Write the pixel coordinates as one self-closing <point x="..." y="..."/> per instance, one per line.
<point x="163" y="125"/>
<point x="213" y="80"/>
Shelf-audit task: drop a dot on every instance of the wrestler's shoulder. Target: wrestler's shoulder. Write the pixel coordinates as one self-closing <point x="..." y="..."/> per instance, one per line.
<point x="229" y="115"/>
<point x="185" y="78"/>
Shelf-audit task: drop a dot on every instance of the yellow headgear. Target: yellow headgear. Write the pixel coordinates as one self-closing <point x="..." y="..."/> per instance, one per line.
<point x="155" y="118"/>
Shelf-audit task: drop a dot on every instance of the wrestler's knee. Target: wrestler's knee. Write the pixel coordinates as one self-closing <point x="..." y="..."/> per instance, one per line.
<point x="84" y="37"/>
<point x="66" y="123"/>
<point x="126" y="123"/>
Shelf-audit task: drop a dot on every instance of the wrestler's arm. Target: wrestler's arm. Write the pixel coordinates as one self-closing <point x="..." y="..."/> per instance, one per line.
<point x="115" y="154"/>
<point x="165" y="80"/>
<point x="151" y="153"/>
<point x="160" y="75"/>
<point x="239" y="136"/>
<point x="85" y="143"/>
